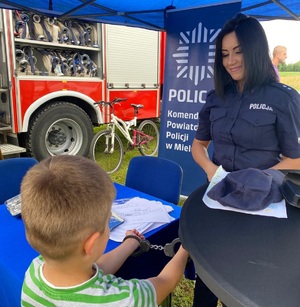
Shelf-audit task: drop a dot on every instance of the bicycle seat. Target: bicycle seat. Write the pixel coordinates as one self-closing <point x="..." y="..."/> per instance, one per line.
<point x="137" y="106"/>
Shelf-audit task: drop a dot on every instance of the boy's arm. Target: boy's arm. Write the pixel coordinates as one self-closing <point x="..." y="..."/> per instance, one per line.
<point x="170" y="276"/>
<point x="113" y="260"/>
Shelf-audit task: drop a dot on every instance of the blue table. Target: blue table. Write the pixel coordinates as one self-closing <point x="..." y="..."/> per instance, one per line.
<point x="16" y="254"/>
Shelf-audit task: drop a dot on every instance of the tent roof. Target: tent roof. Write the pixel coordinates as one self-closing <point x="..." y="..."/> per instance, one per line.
<point x="147" y="13"/>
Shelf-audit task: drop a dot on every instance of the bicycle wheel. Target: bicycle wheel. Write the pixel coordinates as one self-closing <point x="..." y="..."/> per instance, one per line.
<point x="104" y="153"/>
<point x="148" y="138"/>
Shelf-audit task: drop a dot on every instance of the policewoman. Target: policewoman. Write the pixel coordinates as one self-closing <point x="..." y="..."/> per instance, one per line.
<point x="253" y="120"/>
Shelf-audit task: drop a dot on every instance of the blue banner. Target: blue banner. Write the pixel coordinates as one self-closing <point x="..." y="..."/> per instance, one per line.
<point x="190" y="51"/>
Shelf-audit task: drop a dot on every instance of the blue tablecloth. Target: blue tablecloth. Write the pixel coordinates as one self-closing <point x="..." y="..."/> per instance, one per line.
<point x="16" y="254"/>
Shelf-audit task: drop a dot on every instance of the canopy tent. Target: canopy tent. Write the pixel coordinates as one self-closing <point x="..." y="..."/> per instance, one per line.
<point x="148" y="14"/>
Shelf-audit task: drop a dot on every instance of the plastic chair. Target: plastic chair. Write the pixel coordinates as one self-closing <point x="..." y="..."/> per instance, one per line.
<point x="12" y="171"/>
<point x="155" y="176"/>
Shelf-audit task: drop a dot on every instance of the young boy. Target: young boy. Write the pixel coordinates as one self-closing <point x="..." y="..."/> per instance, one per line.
<point x="66" y="207"/>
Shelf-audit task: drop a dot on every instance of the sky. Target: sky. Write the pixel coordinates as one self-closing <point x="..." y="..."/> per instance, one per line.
<point x="285" y="33"/>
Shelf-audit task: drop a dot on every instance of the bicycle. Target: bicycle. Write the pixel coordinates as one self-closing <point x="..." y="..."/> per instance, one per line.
<point x="107" y="149"/>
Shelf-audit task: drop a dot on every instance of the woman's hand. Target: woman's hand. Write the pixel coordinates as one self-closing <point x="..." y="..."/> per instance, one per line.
<point x="210" y="172"/>
<point x="201" y="157"/>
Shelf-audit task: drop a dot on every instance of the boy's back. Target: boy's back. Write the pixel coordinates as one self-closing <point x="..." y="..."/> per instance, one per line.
<point x="100" y="289"/>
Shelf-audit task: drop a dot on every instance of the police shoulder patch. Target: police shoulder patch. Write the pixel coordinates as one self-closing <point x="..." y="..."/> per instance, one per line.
<point x="286" y="88"/>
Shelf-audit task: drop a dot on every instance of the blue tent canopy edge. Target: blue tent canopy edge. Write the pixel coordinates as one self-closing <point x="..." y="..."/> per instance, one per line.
<point x="149" y="14"/>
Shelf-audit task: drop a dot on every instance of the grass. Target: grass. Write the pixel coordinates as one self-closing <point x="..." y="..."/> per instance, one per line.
<point x="109" y="157"/>
<point x="291" y="78"/>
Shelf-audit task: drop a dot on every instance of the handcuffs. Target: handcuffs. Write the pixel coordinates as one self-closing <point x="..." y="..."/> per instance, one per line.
<point x="169" y="248"/>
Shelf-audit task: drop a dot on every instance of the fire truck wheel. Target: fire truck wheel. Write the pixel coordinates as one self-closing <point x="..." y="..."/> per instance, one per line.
<point x="60" y="128"/>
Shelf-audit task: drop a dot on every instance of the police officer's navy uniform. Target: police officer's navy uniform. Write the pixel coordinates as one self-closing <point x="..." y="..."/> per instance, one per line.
<point x="252" y="129"/>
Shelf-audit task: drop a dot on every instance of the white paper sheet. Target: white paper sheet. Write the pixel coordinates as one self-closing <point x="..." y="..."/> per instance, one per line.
<point x="275" y="209"/>
<point x="139" y="213"/>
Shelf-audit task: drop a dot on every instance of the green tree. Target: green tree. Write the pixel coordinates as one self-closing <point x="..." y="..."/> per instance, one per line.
<point x="289" y="67"/>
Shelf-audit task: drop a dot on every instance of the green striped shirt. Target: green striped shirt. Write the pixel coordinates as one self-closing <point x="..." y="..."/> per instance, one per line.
<point x="100" y="290"/>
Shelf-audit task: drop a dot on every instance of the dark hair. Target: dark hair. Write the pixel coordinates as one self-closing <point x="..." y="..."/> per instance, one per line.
<point x="259" y="69"/>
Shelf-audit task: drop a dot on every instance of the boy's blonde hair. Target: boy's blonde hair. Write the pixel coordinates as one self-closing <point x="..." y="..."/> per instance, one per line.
<point x="64" y="200"/>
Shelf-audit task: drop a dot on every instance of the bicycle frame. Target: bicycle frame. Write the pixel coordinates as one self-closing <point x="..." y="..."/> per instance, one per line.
<point x="124" y="127"/>
<point x="141" y="133"/>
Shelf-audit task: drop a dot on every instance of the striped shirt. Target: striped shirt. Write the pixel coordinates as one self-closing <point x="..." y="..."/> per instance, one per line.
<point x="100" y="290"/>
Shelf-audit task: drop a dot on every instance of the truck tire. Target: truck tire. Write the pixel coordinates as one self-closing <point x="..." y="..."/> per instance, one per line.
<point x="59" y="128"/>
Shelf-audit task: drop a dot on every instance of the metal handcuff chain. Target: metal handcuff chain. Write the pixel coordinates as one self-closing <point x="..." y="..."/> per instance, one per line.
<point x="145" y="246"/>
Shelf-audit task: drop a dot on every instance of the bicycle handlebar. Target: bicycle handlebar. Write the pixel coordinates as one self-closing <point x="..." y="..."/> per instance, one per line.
<point x="119" y="99"/>
<point x="110" y="103"/>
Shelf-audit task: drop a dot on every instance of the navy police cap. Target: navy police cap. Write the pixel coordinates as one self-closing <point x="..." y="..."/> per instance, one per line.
<point x="248" y="189"/>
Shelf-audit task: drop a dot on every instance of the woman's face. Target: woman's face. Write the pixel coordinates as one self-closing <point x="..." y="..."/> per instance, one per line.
<point x="233" y="59"/>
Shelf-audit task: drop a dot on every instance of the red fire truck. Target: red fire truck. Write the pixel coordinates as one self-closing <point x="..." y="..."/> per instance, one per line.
<point x="52" y="71"/>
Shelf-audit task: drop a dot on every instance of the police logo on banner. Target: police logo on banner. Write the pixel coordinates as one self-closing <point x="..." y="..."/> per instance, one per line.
<point x="187" y="68"/>
<point x="199" y="35"/>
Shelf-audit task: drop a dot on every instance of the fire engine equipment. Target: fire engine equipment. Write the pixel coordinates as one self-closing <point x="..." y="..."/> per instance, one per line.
<point x="52" y="72"/>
